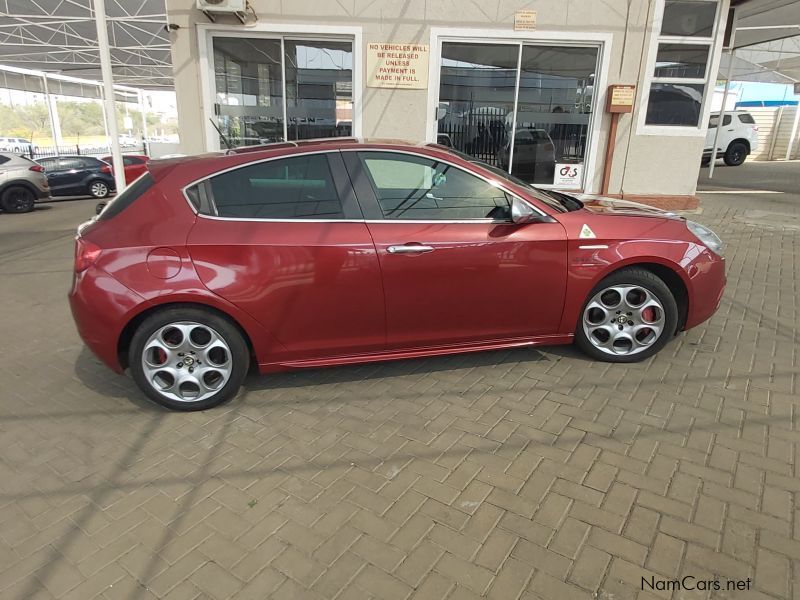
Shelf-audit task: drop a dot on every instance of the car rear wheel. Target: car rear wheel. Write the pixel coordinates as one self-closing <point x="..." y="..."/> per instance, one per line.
<point x="629" y="316"/>
<point x="736" y="154"/>
<point x="188" y="358"/>
<point x="17" y="199"/>
<point x="98" y="189"/>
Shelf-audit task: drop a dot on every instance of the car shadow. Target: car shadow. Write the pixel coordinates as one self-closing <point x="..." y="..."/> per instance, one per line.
<point x="100" y="379"/>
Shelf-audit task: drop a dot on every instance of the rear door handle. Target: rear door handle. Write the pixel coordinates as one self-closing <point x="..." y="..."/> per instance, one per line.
<point x="409" y="249"/>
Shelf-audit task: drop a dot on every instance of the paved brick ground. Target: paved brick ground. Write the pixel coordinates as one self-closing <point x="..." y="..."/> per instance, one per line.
<point x="532" y="474"/>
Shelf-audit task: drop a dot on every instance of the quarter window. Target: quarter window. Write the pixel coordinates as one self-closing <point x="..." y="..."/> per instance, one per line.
<point x="415" y="188"/>
<point x="300" y="187"/>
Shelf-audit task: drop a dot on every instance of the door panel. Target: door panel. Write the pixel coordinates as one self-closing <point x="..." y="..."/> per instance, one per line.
<point x="481" y="281"/>
<point x="316" y="287"/>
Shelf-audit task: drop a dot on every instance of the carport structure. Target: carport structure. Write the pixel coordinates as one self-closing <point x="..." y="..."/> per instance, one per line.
<point x="118" y="41"/>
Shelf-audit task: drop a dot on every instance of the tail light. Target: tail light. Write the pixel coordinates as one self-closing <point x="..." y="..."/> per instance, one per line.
<point x="37" y="168"/>
<point x="86" y="254"/>
<point x="106" y="169"/>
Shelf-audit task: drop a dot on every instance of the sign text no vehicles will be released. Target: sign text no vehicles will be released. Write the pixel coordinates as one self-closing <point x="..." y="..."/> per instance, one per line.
<point x="391" y="65"/>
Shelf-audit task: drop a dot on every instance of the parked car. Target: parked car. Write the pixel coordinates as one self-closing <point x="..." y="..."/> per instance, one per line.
<point x="331" y="252"/>
<point x="78" y="176"/>
<point x="737" y="139"/>
<point x="15" y="144"/>
<point x="135" y="165"/>
<point x="22" y="182"/>
<point x="534" y="155"/>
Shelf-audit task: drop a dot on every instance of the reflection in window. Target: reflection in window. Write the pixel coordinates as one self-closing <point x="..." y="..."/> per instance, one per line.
<point x="319" y="89"/>
<point x="555" y="101"/>
<point x="415" y="188"/>
<point x="292" y="188"/>
<point x="674" y="104"/>
<point x="682" y="60"/>
<point x="476" y="92"/>
<point x="688" y="18"/>
<point x="249" y="99"/>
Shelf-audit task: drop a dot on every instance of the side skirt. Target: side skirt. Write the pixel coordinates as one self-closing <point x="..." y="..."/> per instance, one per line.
<point x="545" y="340"/>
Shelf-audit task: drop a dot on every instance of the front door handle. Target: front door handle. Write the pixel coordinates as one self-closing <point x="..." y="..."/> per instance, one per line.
<point x="409" y="249"/>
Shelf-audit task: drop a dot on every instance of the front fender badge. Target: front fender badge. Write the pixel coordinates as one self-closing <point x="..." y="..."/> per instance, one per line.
<point x="586" y="232"/>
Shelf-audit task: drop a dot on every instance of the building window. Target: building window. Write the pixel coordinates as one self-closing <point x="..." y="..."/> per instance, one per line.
<point x="272" y="90"/>
<point x="681" y="70"/>
<point x="522" y="107"/>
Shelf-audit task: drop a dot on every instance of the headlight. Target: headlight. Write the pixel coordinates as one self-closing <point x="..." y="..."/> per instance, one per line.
<point x="704" y="234"/>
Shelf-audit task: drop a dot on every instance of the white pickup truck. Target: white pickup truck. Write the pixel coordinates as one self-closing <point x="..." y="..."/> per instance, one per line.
<point x="737" y="138"/>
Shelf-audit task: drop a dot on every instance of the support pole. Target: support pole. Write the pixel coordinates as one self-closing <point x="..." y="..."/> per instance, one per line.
<point x="52" y="111"/>
<point x="721" y="115"/>
<point x="108" y="92"/>
<point x="793" y="136"/>
<point x="143" y="110"/>
<point x="612" y="141"/>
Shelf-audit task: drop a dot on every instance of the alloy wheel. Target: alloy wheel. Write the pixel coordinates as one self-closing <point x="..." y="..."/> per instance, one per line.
<point x="186" y="361"/>
<point x="99" y="189"/>
<point x="623" y="319"/>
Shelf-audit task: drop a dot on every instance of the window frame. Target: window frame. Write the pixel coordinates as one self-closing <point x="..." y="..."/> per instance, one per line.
<point x="649" y="78"/>
<point x="280" y="32"/>
<point x="350" y="207"/>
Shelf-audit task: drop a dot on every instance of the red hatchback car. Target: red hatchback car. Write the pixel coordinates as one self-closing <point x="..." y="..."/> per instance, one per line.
<point x="330" y="252"/>
<point x="134" y="165"/>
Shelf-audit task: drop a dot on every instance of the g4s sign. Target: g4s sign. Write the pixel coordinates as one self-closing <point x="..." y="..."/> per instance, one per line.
<point x="568" y="175"/>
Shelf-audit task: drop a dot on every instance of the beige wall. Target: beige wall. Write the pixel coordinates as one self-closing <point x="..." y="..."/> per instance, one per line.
<point x="643" y="164"/>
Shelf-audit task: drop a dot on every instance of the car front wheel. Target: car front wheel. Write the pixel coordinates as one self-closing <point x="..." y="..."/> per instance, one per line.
<point x="188" y="358"/>
<point x="98" y="189"/>
<point x="629" y="316"/>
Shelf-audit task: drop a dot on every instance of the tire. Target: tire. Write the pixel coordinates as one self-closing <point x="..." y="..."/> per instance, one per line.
<point x="98" y="189"/>
<point x="17" y="199"/>
<point x="736" y="154"/>
<point x="704" y="162"/>
<point x="159" y="358"/>
<point x="628" y="342"/>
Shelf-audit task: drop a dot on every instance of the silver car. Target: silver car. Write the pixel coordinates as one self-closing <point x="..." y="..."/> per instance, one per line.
<point x="22" y="182"/>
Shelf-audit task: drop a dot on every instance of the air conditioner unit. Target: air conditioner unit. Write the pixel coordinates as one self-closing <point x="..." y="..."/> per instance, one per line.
<point x="221" y="6"/>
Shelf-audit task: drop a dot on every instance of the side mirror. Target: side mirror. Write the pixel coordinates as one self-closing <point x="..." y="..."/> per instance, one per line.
<point x="99" y="208"/>
<point x="522" y="212"/>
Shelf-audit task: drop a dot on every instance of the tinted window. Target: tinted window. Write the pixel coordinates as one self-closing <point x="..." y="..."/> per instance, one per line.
<point x="126" y="198"/>
<point x="91" y="163"/>
<point x="674" y="104"/>
<point x="300" y="187"/>
<point x="747" y="118"/>
<point x="682" y="60"/>
<point x="688" y="18"/>
<point x="70" y="163"/>
<point x="712" y="122"/>
<point x="48" y="163"/>
<point x="4" y="160"/>
<point x="416" y="188"/>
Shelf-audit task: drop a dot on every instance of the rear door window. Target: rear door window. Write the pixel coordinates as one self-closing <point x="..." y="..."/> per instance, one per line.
<point x="298" y="187"/>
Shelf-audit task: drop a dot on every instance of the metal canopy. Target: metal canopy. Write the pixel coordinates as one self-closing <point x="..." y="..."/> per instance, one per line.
<point x="60" y="36"/>
<point x="760" y="21"/>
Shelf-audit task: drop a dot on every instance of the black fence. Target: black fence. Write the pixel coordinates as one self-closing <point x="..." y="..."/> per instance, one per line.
<point x="33" y="151"/>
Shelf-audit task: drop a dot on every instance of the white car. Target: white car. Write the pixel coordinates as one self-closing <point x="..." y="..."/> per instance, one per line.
<point x="14" y="144"/>
<point x="737" y="138"/>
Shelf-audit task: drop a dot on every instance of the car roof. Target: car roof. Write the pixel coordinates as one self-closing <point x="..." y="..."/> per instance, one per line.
<point x="214" y="161"/>
<point x="202" y="165"/>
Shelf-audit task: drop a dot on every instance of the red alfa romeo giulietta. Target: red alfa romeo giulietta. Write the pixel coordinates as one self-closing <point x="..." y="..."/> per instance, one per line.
<point x="331" y="252"/>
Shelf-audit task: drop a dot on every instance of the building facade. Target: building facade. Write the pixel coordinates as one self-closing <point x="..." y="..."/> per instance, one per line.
<point x="522" y="85"/>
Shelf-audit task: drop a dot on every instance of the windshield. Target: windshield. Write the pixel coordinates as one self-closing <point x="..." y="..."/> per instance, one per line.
<point x="555" y="200"/>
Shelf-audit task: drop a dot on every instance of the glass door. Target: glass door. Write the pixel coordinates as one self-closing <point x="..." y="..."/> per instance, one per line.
<point x="272" y="90"/>
<point x="525" y="108"/>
